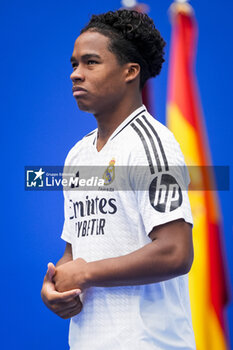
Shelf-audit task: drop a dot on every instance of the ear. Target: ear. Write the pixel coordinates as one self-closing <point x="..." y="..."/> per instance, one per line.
<point x="132" y="72"/>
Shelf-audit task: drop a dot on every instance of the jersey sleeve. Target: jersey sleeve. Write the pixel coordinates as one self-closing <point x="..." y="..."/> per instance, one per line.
<point x="160" y="180"/>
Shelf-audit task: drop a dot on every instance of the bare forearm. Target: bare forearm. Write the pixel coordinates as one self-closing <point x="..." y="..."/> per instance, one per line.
<point x="170" y="254"/>
<point x="66" y="257"/>
<point x="63" y="260"/>
<point x="149" y="264"/>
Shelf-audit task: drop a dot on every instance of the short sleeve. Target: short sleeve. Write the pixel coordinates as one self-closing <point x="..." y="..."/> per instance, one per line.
<point x="161" y="191"/>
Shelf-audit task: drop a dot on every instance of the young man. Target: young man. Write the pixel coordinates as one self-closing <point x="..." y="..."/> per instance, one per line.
<point x="128" y="252"/>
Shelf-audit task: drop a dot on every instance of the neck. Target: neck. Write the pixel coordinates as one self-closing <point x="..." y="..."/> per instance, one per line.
<point x="111" y="118"/>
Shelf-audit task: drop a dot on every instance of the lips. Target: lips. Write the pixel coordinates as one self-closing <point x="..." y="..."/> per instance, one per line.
<point x="78" y="90"/>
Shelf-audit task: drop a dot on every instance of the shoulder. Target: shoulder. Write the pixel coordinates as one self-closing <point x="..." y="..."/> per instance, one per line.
<point x="153" y="142"/>
<point x="80" y="146"/>
<point x="147" y="129"/>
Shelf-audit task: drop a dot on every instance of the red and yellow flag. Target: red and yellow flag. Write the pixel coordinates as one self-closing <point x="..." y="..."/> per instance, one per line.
<point x="208" y="287"/>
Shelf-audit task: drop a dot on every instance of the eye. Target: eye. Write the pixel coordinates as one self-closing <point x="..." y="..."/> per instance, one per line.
<point x="74" y="65"/>
<point x="90" y="62"/>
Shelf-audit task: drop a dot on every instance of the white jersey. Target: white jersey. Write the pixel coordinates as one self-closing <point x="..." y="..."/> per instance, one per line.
<point x="145" y="182"/>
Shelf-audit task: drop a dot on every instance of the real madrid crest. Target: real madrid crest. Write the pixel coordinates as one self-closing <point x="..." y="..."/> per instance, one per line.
<point x="109" y="174"/>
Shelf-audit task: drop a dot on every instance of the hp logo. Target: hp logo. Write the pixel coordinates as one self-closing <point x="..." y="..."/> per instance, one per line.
<point x="165" y="193"/>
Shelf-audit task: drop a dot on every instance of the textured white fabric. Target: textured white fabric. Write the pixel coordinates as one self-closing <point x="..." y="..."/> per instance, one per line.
<point x="145" y="317"/>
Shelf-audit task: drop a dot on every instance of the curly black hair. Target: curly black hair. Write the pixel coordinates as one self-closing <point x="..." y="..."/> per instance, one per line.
<point x="133" y="38"/>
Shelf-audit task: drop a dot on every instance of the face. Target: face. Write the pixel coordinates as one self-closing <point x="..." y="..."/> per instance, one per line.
<point x="98" y="79"/>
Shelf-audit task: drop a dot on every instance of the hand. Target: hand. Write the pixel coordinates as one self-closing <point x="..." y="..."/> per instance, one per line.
<point x="70" y="275"/>
<point x="65" y="305"/>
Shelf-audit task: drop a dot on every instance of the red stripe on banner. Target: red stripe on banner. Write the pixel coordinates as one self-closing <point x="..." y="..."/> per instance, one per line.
<point x="182" y="53"/>
<point x="218" y="283"/>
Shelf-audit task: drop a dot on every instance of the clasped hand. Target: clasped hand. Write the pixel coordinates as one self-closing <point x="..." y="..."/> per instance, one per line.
<point x="62" y="287"/>
<point x="70" y="275"/>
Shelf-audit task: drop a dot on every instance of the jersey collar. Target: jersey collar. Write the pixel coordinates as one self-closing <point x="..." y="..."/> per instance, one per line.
<point x="128" y="120"/>
<point x="123" y="125"/>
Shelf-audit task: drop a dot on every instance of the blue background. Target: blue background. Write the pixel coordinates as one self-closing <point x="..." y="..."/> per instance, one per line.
<point x="41" y="122"/>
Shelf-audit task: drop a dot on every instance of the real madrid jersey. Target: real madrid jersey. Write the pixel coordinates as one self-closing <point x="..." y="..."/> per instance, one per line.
<point x="137" y="181"/>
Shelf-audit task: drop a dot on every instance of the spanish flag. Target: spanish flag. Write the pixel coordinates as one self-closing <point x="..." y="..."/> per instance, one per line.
<point x="207" y="280"/>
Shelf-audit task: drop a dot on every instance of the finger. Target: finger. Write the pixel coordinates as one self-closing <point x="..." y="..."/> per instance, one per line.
<point x="47" y="292"/>
<point x="77" y="298"/>
<point x="62" y="308"/>
<point x="65" y="296"/>
<point x="48" y="286"/>
<point x="51" y="271"/>
<point x="70" y="312"/>
<point x="65" y="307"/>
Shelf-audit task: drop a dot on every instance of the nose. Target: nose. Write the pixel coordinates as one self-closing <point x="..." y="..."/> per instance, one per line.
<point x="77" y="74"/>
